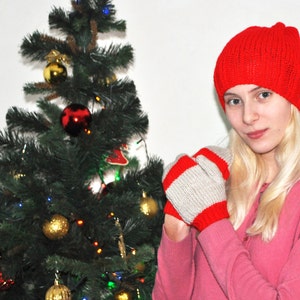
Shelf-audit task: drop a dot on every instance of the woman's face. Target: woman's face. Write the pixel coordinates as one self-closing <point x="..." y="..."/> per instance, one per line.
<point x="258" y="115"/>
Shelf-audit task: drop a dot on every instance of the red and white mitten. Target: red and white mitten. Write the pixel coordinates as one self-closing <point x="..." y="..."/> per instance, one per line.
<point x="195" y="187"/>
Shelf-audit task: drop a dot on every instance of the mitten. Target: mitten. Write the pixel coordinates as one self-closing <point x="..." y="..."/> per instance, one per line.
<point x="195" y="187"/>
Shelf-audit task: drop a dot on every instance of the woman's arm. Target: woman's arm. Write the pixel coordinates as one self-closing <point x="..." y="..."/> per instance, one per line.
<point x="233" y="268"/>
<point x="175" y="261"/>
<point x="176" y="230"/>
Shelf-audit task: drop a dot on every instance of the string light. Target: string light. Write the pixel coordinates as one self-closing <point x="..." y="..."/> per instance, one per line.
<point x="87" y="131"/>
<point x="117" y="175"/>
<point x="111" y="285"/>
<point x="118" y="275"/>
<point x="111" y="215"/>
<point x="142" y="280"/>
<point x="80" y="222"/>
<point x="138" y="293"/>
<point x="106" y="10"/>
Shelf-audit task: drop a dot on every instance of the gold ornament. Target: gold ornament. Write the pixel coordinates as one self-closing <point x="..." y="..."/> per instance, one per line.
<point x="140" y="267"/>
<point x="148" y="205"/>
<point x="55" y="73"/>
<point x="121" y="241"/>
<point x="108" y="80"/>
<point x="58" y="292"/>
<point x="56" y="228"/>
<point x="123" y="295"/>
<point x="56" y="56"/>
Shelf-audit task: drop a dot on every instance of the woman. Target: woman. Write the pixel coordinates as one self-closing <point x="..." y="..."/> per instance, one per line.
<point x="246" y="247"/>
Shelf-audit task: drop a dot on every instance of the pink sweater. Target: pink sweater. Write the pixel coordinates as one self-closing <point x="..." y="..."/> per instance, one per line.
<point x="221" y="263"/>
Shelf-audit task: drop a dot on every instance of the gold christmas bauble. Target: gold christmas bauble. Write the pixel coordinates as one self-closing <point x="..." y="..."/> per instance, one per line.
<point x="56" y="228"/>
<point x="123" y="295"/>
<point x="148" y="206"/>
<point x="140" y="267"/>
<point x="108" y="80"/>
<point x="55" y="73"/>
<point x="58" y="292"/>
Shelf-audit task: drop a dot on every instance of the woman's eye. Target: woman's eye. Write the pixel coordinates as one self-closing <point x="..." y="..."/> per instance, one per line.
<point x="264" y="95"/>
<point x="234" y="101"/>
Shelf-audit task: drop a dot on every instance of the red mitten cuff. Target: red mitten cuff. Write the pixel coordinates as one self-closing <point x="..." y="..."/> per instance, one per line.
<point x="170" y="210"/>
<point x="211" y="214"/>
<point x="184" y="163"/>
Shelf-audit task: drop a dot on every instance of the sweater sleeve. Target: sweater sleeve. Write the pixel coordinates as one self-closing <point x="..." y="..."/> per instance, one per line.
<point x="231" y="264"/>
<point x="175" y="268"/>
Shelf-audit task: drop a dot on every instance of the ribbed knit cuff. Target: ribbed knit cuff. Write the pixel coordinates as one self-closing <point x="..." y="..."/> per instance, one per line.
<point x="212" y="214"/>
<point x="170" y="210"/>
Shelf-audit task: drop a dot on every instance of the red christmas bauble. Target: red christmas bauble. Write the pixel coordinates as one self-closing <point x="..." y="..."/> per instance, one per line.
<point x="75" y="118"/>
<point x="5" y="284"/>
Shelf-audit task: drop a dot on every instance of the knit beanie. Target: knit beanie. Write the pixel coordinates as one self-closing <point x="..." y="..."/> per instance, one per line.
<point x="268" y="57"/>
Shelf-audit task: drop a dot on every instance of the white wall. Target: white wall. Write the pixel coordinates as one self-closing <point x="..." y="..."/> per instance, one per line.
<point x="176" y="44"/>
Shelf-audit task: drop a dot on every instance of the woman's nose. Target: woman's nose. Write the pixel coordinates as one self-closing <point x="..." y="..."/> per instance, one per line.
<point x="250" y="113"/>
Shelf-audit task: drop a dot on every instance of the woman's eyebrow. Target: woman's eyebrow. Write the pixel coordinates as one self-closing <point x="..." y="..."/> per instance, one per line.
<point x="229" y="94"/>
<point x="255" y="89"/>
<point x="234" y="94"/>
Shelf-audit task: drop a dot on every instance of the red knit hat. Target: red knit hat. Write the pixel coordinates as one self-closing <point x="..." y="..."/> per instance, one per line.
<point x="265" y="56"/>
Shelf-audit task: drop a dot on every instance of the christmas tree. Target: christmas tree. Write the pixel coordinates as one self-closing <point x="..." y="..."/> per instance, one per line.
<point x="80" y="214"/>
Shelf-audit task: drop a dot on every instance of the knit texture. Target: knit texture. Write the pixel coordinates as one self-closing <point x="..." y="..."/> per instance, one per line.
<point x="265" y="56"/>
<point x="170" y="210"/>
<point x="195" y="187"/>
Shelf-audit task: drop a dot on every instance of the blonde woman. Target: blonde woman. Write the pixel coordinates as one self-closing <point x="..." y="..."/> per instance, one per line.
<point x="232" y="219"/>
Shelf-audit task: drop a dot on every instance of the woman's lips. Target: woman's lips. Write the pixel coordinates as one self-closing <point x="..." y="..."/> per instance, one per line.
<point x="256" y="134"/>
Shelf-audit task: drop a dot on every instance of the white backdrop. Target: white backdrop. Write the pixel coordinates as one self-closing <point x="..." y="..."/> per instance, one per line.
<point x="176" y="44"/>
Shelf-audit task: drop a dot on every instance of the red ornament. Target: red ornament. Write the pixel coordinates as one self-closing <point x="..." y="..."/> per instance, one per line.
<point x="117" y="157"/>
<point x="75" y="118"/>
<point x="5" y="284"/>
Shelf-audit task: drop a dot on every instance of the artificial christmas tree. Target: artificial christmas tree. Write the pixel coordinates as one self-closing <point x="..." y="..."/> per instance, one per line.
<point x="80" y="215"/>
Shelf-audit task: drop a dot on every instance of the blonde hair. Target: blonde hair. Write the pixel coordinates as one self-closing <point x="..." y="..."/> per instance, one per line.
<point x="248" y="174"/>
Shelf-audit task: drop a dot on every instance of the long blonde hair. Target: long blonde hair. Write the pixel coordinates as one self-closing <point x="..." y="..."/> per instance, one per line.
<point x="248" y="174"/>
